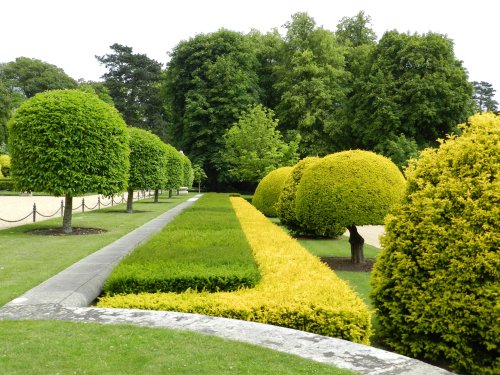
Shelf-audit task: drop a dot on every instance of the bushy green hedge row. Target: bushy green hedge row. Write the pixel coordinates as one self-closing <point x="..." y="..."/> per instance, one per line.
<point x="296" y="290"/>
<point x="436" y="285"/>
<point x="203" y="249"/>
<point x="6" y="184"/>
<point x="269" y="189"/>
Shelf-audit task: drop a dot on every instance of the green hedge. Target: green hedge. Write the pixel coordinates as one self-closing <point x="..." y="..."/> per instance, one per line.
<point x="203" y="249"/>
<point x="6" y="184"/>
<point x="269" y="189"/>
<point x="436" y="285"/>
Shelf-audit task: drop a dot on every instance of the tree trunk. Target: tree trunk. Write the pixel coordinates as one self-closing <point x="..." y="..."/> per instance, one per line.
<point x="130" y="200"/>
<point x="199" y="187"/>
<point x="68" y="212"/>
<point x="157" y="194"/>
<point x="356" y="242"/>
<point x="170" y="193"/>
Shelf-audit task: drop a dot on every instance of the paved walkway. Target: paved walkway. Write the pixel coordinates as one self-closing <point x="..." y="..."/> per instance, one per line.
<point x="67" y="295"/>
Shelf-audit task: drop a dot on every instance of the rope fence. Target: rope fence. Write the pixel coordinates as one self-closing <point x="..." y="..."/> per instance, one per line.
<point x="83" y="206"/>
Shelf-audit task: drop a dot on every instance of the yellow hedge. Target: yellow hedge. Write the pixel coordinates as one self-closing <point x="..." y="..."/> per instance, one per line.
<point x="296" y="290"/>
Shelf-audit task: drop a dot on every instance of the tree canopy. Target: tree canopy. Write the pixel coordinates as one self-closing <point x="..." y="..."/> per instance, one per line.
<point x="134" y="82"/>
<point x="484" y="95"/>
<point x="210" y="79"/>
<point x="67" y="142"/>
<point x="254" y="147"/>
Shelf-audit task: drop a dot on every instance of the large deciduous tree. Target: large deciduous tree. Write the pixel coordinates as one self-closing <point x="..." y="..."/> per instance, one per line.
<point x="210" y="79"/>
<point x="413" y="89"/>
<point x="484" y="96"/>
<point x="134" y="83"/>
<point x="254" y="147"/>
<point x="31" y="76"/>
<point x="311" y="86"/>
<point x="67" y="142"/>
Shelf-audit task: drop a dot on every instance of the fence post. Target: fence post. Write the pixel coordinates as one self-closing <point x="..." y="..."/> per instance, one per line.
<point x="34" y="212"/>
<point x="62" y="208"/>
<point x="83" y="204"/>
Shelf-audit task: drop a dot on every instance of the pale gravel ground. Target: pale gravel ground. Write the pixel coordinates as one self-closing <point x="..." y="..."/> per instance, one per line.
<point x="17" y="207"/>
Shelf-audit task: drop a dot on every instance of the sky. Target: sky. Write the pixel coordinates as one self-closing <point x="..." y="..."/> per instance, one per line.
<point x="70" y="33"/>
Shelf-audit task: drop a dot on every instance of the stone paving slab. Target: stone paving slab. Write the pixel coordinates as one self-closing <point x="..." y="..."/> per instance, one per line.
<point x="66" y="297"/>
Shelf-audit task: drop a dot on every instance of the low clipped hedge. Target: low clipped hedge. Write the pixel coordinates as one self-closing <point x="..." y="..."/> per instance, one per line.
<point x="203" y="249"/>
<point x="296" y="289"/>
<point x="269" y="189"/>
<point x="436" y="285"/>
<point x="6" y="184"/>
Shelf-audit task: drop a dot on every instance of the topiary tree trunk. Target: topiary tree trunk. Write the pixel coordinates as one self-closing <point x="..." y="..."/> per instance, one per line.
<point x="68" y="212"/>
<point x="130" y="200"/>
<point x="357" y="243"/>
<point x="157" y="194"/>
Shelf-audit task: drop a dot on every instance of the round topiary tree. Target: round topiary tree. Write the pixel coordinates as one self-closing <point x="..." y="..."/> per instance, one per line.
<point x="269" y="189"/>
<point x="67" y="142"/>
<point x="175" y="169"/>
<point x="148" y="163"/>
<point x="187" y="171"/>
<point x="436" y="284"/>
<point x="285" y="208"/>
<point x="5" y="163"/>
<point x="347" y="189"/>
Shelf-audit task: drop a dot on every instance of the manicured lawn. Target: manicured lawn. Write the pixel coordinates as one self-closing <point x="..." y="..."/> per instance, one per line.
<point x="46" y="347"/>
<point x="27" y="260"/>
<point x="336" y="248"/>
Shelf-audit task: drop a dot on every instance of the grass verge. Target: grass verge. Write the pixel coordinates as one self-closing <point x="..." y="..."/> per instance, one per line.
<point x="45" y="347"/>
<point x="202" y="249"/>
<point x="27" y="260"/>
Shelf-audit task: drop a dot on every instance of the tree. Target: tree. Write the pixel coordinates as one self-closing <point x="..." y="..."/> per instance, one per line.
<point x="269" y="189"/>
<point x="210" y="79"/>
<point x="483" y="95"/>
<point x="134" y="83"/>
<point x="148" y="163"/>
<point x="32" y="76"/>
<point x="413" y="88"/>
<point x="355" y="31"/>
<point x="347" y="189"/>
<point x="436" y="283"/>
<point x="67" y="142"/>
<point x="199" y="175"/>
<point x="253" y="146"/>
<point x="175" y="169"/>
<point x="311" y="86"/>
<point x="98" y="88"/>
<point x="187" y="171"/>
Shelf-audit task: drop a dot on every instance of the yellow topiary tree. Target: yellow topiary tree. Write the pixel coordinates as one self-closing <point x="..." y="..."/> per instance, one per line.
<point x="269" y="189"/>
<point x="436" y="285"/>
<point x="347" y="189"/>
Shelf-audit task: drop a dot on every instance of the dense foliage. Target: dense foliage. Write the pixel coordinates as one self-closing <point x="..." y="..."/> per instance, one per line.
<point x="269" y="190"/>
<point x="148" y="163"/>
<point x="286" y="295"/>
<point x="254" y="147"/>
<point x="285" y="207"/>
<point x="67" y="142"/>
<point x="436" y="284"/>
<point x="347" y="189"/>
<point x="5" y="164"/>
<point x="133" y="81"/>
<point x="210" y="79"/>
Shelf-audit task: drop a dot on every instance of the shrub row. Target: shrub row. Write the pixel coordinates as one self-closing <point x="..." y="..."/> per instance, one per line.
<point x="214" y="256"/>
<point x="296" y="290"/>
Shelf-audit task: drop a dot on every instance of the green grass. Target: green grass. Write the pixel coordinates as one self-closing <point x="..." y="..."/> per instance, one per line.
<point x="203" y="248"/>
<point x="336" y="247"/>
<point x="27" y="260"/>
<point x="73" y="348"/>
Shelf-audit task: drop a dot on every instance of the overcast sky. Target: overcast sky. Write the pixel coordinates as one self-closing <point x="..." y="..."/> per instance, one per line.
<point x="69" y="33"/>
